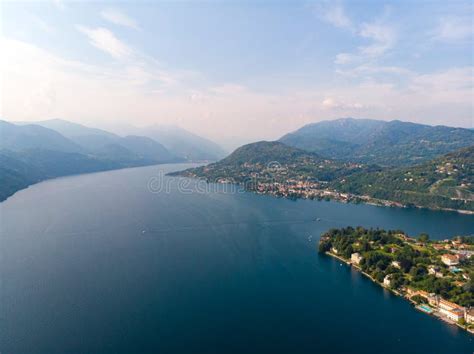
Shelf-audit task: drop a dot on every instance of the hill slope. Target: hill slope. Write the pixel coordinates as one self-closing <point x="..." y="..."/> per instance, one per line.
<point x="268" y="162"/>
<point x="20" y="137"/>
<point x="20" y="169"/>
<point x="392" y="143"/>
<point x="31" y="153"/>
<point x="111" y="146"/>
<point x="446" y="182"/>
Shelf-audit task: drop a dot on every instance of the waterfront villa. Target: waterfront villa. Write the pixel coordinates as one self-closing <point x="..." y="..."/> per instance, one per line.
<point x="356" y="258"/>
<point x="450" y="259"/>
<point x="451" y="310"/>
<point x="455" y="314"/>
<point x="396" y="264"/>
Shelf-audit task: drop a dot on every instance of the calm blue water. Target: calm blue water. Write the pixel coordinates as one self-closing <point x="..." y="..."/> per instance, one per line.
<point x="99" y="264"/>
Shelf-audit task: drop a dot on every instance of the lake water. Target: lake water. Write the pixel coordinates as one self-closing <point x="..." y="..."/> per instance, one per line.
<point x="98" y="263"/>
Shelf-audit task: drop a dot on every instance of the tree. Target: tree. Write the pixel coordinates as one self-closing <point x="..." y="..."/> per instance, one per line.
<point x="423" y="238"/>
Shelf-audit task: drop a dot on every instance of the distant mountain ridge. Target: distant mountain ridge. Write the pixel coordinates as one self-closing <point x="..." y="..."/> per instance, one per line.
<point x="15" y="137"/>
<point x="393" y="143"/>
<point x="108" y="145"/>
<point x="181" y="142"/>
<point x="30" y="153"/>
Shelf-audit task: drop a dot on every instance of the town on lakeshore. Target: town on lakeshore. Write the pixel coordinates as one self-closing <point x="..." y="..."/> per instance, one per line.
<point x="273" y="168"/>
<point x="436" y="276"/>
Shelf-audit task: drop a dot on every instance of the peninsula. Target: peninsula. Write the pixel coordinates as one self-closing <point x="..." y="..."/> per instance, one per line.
<point x="436" y="276"/>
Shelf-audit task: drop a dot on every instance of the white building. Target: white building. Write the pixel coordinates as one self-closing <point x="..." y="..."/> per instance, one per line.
<point x="356" y="258"/>
<point x="470" y="315"/>
<point x="451" y="310"/>
<point x="396" y="264"/>
<point x="386" y="281"/>
<point x="450" y="259"/>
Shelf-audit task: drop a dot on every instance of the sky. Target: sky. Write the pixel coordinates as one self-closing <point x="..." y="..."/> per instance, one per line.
<point x="237" y="71"/>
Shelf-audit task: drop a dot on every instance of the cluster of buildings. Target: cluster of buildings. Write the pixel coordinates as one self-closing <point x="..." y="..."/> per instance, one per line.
<point x="315" y="190"/>
<point x="446" y="308"/>
<point x="301" y="189"/>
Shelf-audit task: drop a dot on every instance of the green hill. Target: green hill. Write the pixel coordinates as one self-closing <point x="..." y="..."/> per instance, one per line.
<point x="368" y="141"/>
<point x="18" y="170"/>
<point x="446" y="182"/>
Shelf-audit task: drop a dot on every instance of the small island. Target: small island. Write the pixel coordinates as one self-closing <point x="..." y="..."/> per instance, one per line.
<point x="436" y="276"/>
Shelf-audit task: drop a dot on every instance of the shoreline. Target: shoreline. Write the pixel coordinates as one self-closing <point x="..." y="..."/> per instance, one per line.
<point x="433" y="314"/>
<point x="87" y="173"/>
<point x="361" y="199"/>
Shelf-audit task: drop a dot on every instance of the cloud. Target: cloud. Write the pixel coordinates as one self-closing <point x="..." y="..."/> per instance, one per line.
<point x="334" y="14"/>
<point x="383" y="37"/>
<point x="45" y="26"/>
<point x="37" y="84"/>
<point x="116" y="17"/>
<point x="344" y="58"/>
<point x="105" y="40"/>
<point x="454" y="28"/>
<point x="333" y="104"/>
<point x="59" y="4"/>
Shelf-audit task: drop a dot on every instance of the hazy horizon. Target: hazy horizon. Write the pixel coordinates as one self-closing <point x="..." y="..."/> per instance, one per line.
<point x="237" y="72"/>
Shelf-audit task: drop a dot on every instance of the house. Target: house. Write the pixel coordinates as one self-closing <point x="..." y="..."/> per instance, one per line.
<point x="451" y="310"/>
<point x="396" y="264"/>
<point x="470" y="315"/>
<point x="455" y="314"/>
<point x="450" y="259"/>
<point x="386" y="281"/>
<point x="356" y="258"/>
<point x="433" y="270"/>
<point x="433" y="300"/>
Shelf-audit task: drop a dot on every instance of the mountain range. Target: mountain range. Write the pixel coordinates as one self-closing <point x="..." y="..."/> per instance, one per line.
<point x="31" y="152"/>
<point x="393" y="143"/>
<point x="442" y="178"/>
<point x="408" y="163"/>
<point x="180" y="142"/>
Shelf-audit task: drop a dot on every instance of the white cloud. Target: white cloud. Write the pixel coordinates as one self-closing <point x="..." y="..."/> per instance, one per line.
<point x="45" y="26"/>
<point x="59" y="4"/>
<point x="454" y="28"/>
<point x="334" y="13"/>
<point x="105" y="40"/>
<point x="117" y="17"/>
<point x="344" y="58"/>
<point x="333" y="104"/>
<point x="383" y="37"/>
<point x="38" y="85"/>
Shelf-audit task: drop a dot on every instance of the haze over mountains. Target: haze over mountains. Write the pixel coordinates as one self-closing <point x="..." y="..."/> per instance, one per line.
<point x="181" y="142"/>
<point x="111" y="146"/>
<point x="33" y="152"/>
<point x="358" y="156"/>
